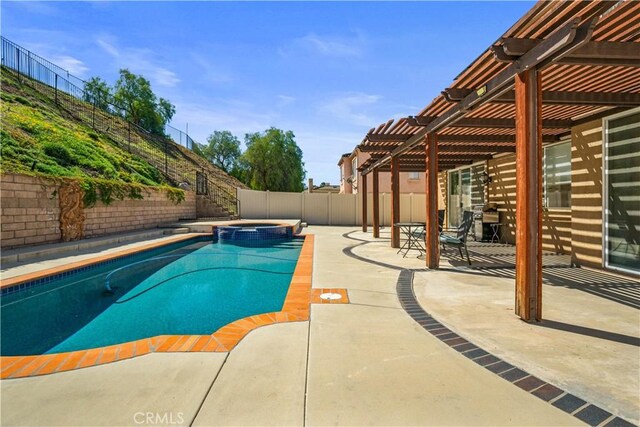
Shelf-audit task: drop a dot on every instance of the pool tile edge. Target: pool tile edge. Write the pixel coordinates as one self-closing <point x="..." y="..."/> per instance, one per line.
<point x="295" y="309"/>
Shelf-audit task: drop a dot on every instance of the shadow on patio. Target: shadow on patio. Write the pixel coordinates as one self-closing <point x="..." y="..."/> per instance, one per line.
<point x="498" y="260"/>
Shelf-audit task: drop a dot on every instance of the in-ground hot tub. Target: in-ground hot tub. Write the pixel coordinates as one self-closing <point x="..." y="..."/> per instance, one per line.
<point x="252" y="233"/>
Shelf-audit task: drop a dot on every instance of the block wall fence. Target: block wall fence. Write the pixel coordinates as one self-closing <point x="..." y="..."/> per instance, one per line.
<point x="31" y="212"/>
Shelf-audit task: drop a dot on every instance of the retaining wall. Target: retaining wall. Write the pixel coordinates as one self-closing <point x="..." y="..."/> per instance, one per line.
<point x="31" y="212"/>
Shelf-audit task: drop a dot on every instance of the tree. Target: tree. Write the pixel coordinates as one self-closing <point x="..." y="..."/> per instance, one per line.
<point x="139" y="104"/>
<point x="272" y="161"/>
<point x="97" y="91"/>
<point x="166" y="110"/>
<point x="223" y="150"/>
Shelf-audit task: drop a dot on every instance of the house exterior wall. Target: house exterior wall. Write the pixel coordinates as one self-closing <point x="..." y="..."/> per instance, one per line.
<point x="576" y="230"/>
<point x="586" y="193"/>
<point x="556" y="222"/>
<point x="345" y="173"/>
<point x="407" y="184"/>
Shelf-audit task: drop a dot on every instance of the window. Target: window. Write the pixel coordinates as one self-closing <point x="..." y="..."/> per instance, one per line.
<point x="557" y="175"/>
<point x="414" y="175"/>
<point x="465" y="190"/>
<point x="354" y="174"/>
<point x="622" y="191"/>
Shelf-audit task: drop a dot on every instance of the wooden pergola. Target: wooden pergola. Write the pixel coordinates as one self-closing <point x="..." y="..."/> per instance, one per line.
<point x="560" y="64"/>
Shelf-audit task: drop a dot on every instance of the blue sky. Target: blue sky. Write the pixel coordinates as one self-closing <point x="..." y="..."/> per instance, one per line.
<point x="328" y="71"/>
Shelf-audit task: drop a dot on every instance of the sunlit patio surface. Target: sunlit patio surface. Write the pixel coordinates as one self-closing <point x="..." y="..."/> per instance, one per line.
<point x="370" y="362"/>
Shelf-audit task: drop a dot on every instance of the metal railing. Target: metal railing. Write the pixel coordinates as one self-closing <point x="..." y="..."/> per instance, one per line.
<point x="179" y="165"/>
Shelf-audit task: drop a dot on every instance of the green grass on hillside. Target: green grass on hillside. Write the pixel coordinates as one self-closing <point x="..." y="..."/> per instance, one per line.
<point x="37" y="139"/>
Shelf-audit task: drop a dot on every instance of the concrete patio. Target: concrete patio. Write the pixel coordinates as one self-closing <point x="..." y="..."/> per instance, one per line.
<point x="369" y="362"/>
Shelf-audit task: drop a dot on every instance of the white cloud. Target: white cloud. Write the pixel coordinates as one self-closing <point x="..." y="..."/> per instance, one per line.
<point x="106" y="45"/>
<point x="38" y="7"/>
<point x="210" y="71"/>
<point x="53" y="53"/>
<point x="331" y="45"/>
<point x="350" y="107"/>
<point x="139" y="61"/>
<point x="235" y="116"/>
<point x="327" y="45"/>
<point x="284" y="100"/>
<point x="71" y="64"/>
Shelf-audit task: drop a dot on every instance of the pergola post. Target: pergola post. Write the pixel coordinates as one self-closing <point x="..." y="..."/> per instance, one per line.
<point x="431" y="187"/>
<point x="363" y="189"/>
<point x="528" y="103"/>
<point x="376" y="203"/>
<point x="395" y="201"/>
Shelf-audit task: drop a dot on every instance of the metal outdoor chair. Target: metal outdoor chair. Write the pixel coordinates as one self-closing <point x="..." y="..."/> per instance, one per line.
<point x="460" y="239"/>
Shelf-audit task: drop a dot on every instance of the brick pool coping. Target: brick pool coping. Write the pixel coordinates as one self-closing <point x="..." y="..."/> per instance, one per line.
<point x="296" y="308"/>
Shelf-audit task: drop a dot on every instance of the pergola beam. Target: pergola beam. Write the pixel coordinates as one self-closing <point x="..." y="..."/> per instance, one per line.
<point x="388" y="137"/>
<point x="603" y="99"/>
<point x="479" y="148"/>
<point x="486" y="122"/>
<point x="483" y="148"/>
<point x="591" y="53"/>
<point x="444" y="157"/>
<point x="477" y="141"/>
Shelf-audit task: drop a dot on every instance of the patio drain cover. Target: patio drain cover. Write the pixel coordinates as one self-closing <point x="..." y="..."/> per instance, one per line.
<point x="330" y="296"/>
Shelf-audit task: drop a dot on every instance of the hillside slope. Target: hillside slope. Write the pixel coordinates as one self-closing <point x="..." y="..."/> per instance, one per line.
<point x="39" y="138"/>
<point x="52" y="133"/>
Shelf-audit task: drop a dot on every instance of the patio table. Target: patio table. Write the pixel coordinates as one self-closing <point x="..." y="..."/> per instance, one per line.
<point x="413" y="231"/>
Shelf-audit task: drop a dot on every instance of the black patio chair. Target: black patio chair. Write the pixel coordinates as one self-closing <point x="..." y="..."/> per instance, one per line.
<point x="422" y="233"/>
<point x="460" y="239"/>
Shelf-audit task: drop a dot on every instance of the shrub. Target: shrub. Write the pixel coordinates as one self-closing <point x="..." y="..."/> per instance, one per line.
<point x="58" y="152"/>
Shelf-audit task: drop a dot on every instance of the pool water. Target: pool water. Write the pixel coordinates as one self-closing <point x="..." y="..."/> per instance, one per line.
<point x="192" y="288"/>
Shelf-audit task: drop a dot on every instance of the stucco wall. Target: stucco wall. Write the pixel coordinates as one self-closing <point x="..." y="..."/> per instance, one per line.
<point x="31" y="213"/>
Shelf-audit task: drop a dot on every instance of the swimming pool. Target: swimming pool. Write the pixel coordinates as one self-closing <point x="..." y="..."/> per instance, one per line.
<point x="192" y="287"/>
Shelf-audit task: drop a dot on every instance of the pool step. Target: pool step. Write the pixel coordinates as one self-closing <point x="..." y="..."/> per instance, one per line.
<point x="175" y="230"/>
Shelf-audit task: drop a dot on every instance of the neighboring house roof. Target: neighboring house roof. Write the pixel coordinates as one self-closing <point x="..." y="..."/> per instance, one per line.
<point x="345" y="155"/>
<point x="326" y="189"/>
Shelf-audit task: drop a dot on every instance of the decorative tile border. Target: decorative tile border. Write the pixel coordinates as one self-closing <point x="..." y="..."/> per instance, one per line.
<point x="245" y="234"/>
<point x="581" y="409"/>
<point x="295" y="308"/>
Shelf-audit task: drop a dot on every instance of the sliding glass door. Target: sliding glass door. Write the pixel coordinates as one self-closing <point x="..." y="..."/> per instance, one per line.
<point x="622" y="191"/>
<point x="464" y="192"/>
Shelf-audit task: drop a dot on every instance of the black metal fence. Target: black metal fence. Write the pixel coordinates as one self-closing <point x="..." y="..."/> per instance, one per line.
<point x="175" y="161"/>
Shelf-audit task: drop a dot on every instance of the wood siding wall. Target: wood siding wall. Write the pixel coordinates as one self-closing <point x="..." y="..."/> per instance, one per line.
<point x="556" y="223"/>
<point x="586" y="193"/>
